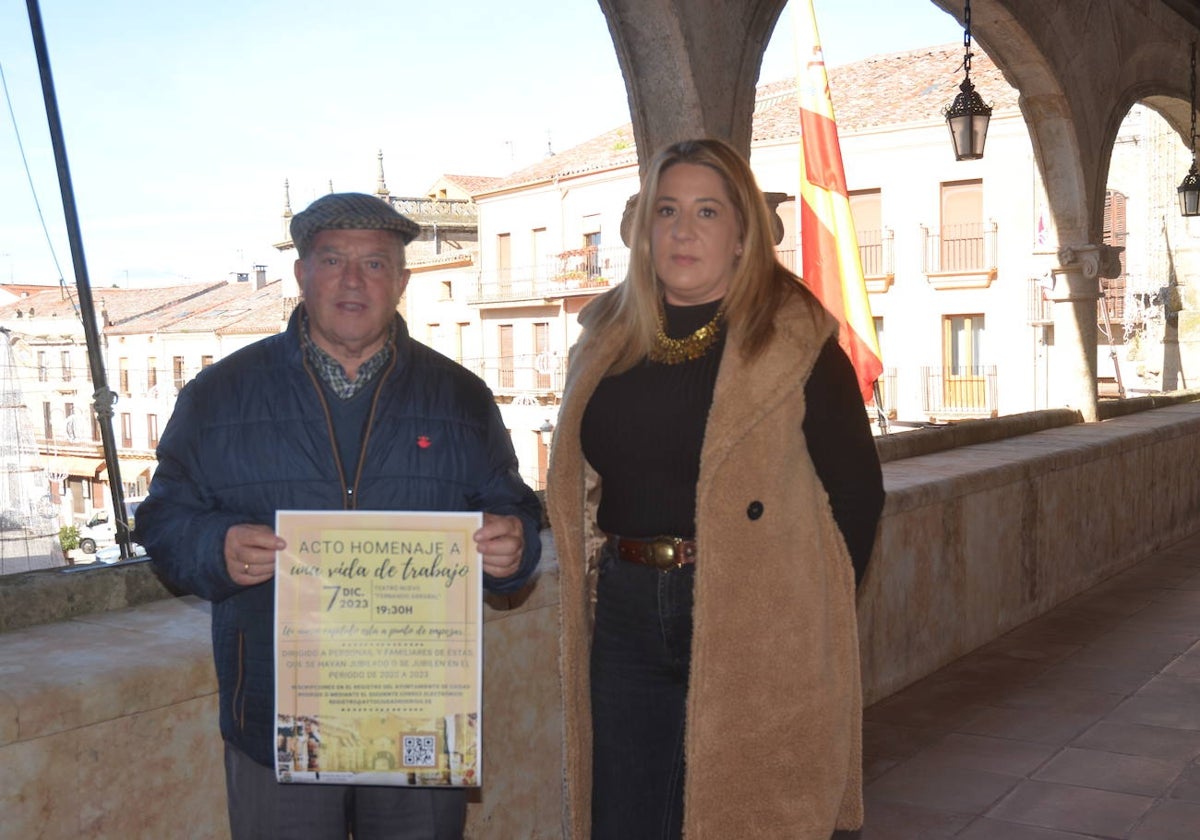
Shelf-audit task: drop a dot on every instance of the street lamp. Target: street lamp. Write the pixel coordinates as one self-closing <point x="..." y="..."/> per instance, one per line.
<point x="1189" y="190"/>
<point x="967" y="116"/>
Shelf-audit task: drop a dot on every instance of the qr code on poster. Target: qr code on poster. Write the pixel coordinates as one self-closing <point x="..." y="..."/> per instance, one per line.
<point x="420" y="750"/>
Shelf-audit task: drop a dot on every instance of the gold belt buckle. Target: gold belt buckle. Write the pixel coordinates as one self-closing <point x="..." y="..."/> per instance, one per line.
<point x="664" y="552"/>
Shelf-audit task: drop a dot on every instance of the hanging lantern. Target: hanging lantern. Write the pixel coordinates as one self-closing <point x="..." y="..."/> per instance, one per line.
<point x="1189" y="190"/>
<point x="967" y="116"/>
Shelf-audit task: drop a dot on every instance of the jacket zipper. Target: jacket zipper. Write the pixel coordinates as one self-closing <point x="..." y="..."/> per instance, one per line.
<point x="350" y="493"/>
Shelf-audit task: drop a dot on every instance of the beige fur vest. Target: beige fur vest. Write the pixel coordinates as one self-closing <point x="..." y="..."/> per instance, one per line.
<point x="774" y="714"/>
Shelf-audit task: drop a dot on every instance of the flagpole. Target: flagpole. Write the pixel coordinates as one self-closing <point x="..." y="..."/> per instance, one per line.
<point x="103" y="398"/>
<point x="880" y="413"/>
<point x="831" y="261"/>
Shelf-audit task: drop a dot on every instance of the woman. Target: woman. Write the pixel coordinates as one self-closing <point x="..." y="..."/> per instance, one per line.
<point x="709" y="406"/>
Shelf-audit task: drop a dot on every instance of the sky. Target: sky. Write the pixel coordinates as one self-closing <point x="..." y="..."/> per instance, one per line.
<point x="182" y="121"/>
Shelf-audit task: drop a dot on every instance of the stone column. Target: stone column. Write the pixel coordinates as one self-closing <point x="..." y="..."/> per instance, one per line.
<point x="1182" y="369"/>
<point x="1073" y="359"/>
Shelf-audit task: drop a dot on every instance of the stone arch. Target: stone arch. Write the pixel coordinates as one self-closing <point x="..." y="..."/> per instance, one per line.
<point x="690" y="69"/>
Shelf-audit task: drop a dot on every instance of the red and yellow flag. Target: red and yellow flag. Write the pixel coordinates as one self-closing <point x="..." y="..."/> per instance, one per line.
<point x="832" y="268"/>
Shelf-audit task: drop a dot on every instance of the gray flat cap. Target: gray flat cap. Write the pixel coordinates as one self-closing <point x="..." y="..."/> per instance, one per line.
<point x="348" y="211"/>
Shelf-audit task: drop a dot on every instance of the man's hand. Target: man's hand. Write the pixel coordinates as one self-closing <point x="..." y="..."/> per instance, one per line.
<point x="501" y="542"/>
<point x="250" y="553"/>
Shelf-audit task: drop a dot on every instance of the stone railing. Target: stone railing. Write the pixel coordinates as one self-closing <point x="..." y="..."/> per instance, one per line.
<point x="108" y="719"/>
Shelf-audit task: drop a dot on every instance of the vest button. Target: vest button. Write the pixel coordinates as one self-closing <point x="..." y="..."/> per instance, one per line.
<point x="755" y="510"/>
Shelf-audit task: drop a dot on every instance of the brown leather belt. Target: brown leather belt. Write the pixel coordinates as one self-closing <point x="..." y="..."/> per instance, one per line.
<point x="659" y="552"/>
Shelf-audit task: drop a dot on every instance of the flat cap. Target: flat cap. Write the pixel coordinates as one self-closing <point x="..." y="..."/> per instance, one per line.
<point x="348" y="211"/>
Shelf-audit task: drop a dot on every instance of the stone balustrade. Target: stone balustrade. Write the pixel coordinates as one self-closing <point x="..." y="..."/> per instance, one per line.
<point x="108" y="719"/>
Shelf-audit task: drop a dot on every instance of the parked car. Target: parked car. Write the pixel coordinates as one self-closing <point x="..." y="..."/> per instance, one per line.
<point x="112" y="553"/>
<point x="99" y="531"/>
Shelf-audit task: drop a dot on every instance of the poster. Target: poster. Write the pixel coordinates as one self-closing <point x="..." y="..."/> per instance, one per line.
<point x="378" y="648"/>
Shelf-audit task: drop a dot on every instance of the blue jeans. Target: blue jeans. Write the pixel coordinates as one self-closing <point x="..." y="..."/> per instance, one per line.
<point x="641" y="651"/>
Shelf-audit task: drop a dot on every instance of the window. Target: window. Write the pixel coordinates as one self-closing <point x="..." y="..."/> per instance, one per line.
<point x="151" y="374"/>
<point x="177" y="370"/>
<point x="542" y="362"/>
<point x="70" y="421"/>
<point x="205" y="361"/>
<point x="447" y="291"/>
<point x="95" y="426"/>
<point x="123" y="371"/>
<point x="591" y="246"/>
<point x="126" y="429"/>
<point x="65" y="359"/>
<point x="1114" y="234"/>
<point x="47" y="425"/>
<point x="962" y="226"/>
<point x="504" y="261"/>
<point x="964" y="382"/>
<point x="152" y="429"/>
<point x="431" y="335"/>
<point x="460" y="331"/>
<point x="866" y="206"/>
<point x="537" y="249"/>
<point x="43" y="367"/>
<point x="506" y="356"/>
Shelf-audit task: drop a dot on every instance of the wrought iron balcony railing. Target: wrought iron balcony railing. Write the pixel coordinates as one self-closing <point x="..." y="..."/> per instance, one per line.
<point x="960" y="249"/>
<point x="533" y="374"/>
<point x="576" y="272"/>
<point x="875" y="250"/>
<point x="959" y="393"/>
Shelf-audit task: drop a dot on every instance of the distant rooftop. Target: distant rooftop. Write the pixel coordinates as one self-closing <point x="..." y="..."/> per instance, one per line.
<point x="893" y="89"/>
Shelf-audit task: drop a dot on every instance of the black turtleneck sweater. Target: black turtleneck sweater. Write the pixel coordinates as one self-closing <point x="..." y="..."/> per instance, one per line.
<point x="643" y="430"/>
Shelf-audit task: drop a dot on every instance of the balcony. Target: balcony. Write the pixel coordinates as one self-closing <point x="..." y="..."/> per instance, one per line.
<point x="1039" y="309"/>
<point x="876" y="252"/>
<point x="959" y="393"/>
<point x="582" y="271"/>
<point x="960" y="256"/>
<point x="523" y="375"/>
<point x="886" y="388"/>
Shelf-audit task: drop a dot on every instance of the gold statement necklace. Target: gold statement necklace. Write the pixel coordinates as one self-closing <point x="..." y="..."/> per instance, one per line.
<point x="672" y="351"/>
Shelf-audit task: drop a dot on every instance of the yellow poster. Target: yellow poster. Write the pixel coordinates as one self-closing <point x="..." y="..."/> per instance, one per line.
<point x="378" y="648"/>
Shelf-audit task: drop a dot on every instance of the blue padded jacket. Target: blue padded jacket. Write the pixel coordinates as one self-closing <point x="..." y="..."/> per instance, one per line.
<point x="251" y="435"/>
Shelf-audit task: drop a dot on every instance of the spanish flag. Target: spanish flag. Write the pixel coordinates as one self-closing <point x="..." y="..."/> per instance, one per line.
<point x="832" y="268"/>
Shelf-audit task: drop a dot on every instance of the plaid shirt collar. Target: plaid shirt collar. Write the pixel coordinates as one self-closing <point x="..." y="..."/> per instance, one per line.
<point x="330" y="369"/>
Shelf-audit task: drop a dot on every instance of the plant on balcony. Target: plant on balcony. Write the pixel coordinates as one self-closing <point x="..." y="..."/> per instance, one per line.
<point x="578" y="267"/>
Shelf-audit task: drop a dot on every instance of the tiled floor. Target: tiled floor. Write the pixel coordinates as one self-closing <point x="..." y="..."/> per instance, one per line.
<point x="1082" y="723"/>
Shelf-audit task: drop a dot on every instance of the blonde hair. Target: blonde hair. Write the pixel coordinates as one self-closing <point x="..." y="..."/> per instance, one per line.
<point x="759" y="284"/>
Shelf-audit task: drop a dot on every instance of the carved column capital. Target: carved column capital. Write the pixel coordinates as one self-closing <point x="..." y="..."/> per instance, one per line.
<point x="1092" y="260"/>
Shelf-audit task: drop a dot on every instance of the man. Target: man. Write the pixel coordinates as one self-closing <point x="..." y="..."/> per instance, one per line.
<point x="341" y="411"/>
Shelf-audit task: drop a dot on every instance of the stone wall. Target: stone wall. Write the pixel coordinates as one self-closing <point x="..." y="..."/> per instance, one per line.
<point x="108" y="720"/>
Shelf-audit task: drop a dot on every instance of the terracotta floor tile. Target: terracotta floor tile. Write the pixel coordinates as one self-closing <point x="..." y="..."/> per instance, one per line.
<point x="1169" y="821"/>
<point x="1070" y="808"/>
<point x="1137" y="739"/>
<point x="897" y="821"/>
<point x="997" y="830"/>
<point x="1044" y="727"/>
<point x="1150" y="655"/>
<point x="887" y="740"/>
<point x="1060" y="700"/>
<point x="1083" y="723"/>
<point x="941" y="788"/>
<point x="1111" y="771"/>
<point x="1188" y="786"/>
<point x="1157" y="711"/>
<point x="976" y="752"/>
<point x="1091" y="678"/>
